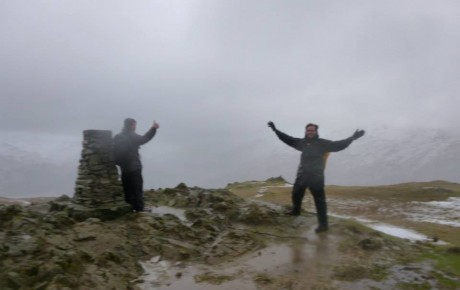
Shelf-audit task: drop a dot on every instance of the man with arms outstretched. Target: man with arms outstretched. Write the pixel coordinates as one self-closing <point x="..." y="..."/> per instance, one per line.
<point x="310" y="173"/>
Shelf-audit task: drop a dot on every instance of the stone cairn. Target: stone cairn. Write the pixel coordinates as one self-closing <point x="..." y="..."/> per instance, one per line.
<point x="98" y="186"/>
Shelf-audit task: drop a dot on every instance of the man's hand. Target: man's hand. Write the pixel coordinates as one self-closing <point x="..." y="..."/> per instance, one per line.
<point x="358" y="134"/>
<point x="156" y="125"/>
<point x="271" y="125"/>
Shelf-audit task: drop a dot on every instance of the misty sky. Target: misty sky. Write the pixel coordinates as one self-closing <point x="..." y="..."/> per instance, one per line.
<point x="212" y="73"/>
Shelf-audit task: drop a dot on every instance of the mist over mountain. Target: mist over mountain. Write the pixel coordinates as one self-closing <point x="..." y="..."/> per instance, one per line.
<point x="46" y="165"/>
<point x="37" y="164"/>
<point x="387" y="156"/>
<point x="384" y="155"/>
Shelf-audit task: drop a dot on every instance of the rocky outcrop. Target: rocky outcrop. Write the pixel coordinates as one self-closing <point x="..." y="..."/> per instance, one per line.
<point x="47" y="246"/>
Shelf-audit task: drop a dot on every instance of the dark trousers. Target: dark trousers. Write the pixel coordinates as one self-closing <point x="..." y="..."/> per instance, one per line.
<point x="133" y="188"/>
<point x="315" y="183"/>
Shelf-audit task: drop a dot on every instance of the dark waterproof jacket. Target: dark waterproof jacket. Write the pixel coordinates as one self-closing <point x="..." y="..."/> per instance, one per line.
<point x="131" y="142"/>
<point x="312" y="160"/>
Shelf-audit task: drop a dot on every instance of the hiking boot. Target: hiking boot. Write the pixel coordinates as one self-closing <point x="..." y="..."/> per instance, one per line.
<point x="321" y="229"/>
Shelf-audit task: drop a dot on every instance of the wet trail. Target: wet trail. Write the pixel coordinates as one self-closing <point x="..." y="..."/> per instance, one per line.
<point x="301" y="260"/>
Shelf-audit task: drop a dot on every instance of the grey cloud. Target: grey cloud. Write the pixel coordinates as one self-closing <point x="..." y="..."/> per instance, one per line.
<point x="212" y="73"/>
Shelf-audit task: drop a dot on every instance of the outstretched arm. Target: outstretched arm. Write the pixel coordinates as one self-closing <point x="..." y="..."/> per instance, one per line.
<point x="334" y="146"/>
<point x="291" y="141"/>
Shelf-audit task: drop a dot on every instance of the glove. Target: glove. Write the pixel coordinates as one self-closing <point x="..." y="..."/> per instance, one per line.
<point x="358" y="134"/>
<point x="271" y="125"/>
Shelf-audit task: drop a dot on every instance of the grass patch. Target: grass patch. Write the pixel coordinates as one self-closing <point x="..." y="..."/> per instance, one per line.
<point x="447" y="265"/>
<point x="446" y="260"/>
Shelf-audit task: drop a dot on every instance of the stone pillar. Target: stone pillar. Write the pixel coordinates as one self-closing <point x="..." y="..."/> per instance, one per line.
<point x="98" y="185"/>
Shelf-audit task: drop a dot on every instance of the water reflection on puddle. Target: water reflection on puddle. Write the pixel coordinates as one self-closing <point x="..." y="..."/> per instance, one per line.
<point x="306" y="257"/>
<point x="162" y="210"/>
<point x="392" y="230"/>
<point x="398" y="232"/>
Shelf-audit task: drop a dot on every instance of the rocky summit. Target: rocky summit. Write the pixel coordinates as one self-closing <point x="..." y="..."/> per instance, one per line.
<point x="48" y="245"/>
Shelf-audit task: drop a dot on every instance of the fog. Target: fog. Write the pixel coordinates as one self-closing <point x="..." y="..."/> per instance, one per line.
<point x="212" y="73"/>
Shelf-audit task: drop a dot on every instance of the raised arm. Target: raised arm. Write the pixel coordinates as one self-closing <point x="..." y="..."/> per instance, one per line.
<point x="149" y="135"/>
<point x="334" y="146"/>
<point x="295" y="143"/>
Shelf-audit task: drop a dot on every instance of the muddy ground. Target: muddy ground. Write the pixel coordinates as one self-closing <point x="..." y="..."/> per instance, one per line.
<point x="202" y="239"/>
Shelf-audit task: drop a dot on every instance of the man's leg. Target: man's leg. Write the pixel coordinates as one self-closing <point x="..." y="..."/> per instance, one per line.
<point x="298" y="192"/>
<point x="138" y="191"/>
<point x="319" y="196"/>
<point x="127" y="182"/>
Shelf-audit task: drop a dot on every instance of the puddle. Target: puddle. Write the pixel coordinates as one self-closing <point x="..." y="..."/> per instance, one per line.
<point x="306" y="258"/>
<point x="392" y="230"/>
<point x="162" y="275"/>
<point x="162" y="210"/>
<point x="418" y="275"/>
<point x="439" y="212"/>
<point x="398" y="232"/>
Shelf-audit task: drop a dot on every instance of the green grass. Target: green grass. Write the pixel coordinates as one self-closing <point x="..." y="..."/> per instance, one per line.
<point x="447" y="263"/>
<point x="388" y="196"/>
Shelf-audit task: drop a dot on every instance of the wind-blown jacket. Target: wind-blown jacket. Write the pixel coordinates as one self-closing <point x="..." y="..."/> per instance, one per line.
<point x="130" y="141"/>
<point x="312" y="159"/>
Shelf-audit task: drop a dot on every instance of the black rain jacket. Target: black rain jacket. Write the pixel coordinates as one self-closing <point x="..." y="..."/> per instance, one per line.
<point x="312" y="160"/>
<point x="132" y="141"/>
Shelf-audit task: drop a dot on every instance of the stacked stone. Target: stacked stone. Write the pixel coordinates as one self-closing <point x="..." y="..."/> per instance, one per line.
<point x="97" y="183"/>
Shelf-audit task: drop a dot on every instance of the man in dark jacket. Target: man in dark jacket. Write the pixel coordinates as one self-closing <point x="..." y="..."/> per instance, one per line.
<point x="126" y="155"/>
<point x="310" y="173"/>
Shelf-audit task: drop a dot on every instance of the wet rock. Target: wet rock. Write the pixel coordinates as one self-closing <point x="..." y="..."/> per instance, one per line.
<point x="231" y="244"/>
<point x="371" y="243"/>
<point x="181" y="187"/>
<point x="14" y="280"/>
<point x="222" y="206"/>
<point x="255" y="214"/>
<point x="106" y="212"/>
<point x="58" y="220"/>
<point x="81" y="237"/>
<point x="47" y="271"/>
<point x="7" y="213"/>
<point x="454" y="250"/>
<point x="196" y="213"/>
<point x="63" y="198"/>
<point x="63" y="282"/>
<point x="112" y="256"/>
<point x="76" y="247"/>
<point x="58" y="205"/>
<point x="75" y="242"/>
<point x="278" y="179"/>
<point x="20" y="245"/>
